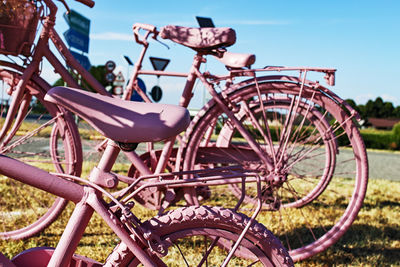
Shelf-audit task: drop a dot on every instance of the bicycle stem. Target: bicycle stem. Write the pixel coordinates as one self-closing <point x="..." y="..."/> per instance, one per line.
<point x="132" y="82"/>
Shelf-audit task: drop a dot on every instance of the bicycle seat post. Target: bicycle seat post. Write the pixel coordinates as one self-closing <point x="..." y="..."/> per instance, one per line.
<point x="187" y="93"/>
<point x="101" y="174"/>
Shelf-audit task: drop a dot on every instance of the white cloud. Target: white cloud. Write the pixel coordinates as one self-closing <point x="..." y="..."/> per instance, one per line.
<point x="112" y="36"/>
<point x="390" y="98"/>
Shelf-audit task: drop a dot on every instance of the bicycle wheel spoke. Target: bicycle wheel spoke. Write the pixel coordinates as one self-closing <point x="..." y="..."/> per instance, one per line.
<point x="300" y="126"/>
<point x="208" y="250"/>
<point x="180" y="251"/>
<point x="267" y="138"/>
<point x="303" y="157"/>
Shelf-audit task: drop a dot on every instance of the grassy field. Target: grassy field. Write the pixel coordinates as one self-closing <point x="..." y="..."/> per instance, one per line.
<point x="373" y="240"/>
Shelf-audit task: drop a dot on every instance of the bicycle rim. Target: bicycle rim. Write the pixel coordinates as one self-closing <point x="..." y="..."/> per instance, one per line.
<point x="45" y="137"/>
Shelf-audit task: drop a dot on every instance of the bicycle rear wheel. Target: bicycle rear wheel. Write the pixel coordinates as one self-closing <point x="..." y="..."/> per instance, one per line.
<point x="43" y="135"/>
<point x="319" y="169"/>
<point x="204" y="235"/>
<point x="313" y="131"/>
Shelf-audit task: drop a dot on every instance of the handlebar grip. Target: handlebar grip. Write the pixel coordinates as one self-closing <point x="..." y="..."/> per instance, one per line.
<point x="89" y="3"/>
<point x="148" y="27"/>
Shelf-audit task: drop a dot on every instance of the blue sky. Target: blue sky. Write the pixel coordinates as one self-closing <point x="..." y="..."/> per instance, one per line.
<point x="359" y="38"/>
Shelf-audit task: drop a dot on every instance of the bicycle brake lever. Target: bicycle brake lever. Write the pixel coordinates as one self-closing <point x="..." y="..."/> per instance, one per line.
<point x="161" y="43"/>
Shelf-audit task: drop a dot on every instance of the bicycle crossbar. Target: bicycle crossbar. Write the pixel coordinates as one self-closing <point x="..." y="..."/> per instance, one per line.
<point x="162" y="73"/>
<point x="41" y="179"/>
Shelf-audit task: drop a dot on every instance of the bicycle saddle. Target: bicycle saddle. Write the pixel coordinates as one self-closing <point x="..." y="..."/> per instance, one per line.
<point x="120" y="120"/>
<point x="199" y="38"/>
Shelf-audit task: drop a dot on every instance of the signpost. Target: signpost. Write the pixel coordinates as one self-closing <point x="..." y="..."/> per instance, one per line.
<point x="110" y="77"/>
<point x="110" y="66"/>
<point x="118" y="82"/>
<point x="156" y="93"/>
<point x="77" y="40"/>
<point x="159" y="63"/>
<point x="78" y="22"/>
<point x="118" y="90"/>
<point x="119" y="79"/>
<point x="82" y="59"/>
<point x="77" y="36"/>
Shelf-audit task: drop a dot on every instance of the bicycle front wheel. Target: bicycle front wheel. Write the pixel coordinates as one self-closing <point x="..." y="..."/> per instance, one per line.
<point x="43" y="135"/>
<point x="315" y="182"/>
<point x="195" y="236"/>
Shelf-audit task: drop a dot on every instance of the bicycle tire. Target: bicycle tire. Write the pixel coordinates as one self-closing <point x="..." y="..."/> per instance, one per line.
<point x="306" y="230"/>
<point x="218" y="224"/>
<point x="25" y="210"/>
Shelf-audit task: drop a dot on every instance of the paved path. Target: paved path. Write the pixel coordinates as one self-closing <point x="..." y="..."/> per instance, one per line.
<point x="384" y="165"/>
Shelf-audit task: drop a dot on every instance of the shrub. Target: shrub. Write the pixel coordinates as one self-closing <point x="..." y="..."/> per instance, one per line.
<point x="396" y="134"/>
<point x="378" y="139"/>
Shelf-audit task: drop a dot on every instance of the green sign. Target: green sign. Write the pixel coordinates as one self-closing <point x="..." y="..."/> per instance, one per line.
<point x="78" y="22"/>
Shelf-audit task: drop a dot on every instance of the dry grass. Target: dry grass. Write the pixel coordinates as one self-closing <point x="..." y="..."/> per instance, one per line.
<point x="373" y="239"/>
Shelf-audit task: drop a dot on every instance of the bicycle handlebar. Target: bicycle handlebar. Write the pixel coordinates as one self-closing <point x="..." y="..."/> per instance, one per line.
<point x="147" y="27"/>
<point x="89" y="3"/>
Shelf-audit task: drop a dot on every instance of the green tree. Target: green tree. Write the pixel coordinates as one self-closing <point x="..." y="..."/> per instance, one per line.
<point x="98" y="72"/>
<point x="363" y="111"/>
<point x="387" y="110"/>
<point x="370" y="110"/>
<point x="375" y="109"/>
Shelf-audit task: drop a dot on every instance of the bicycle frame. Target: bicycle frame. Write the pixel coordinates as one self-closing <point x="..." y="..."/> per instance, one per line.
<point x="208" y="81"/>
<point x="88" y="199"/>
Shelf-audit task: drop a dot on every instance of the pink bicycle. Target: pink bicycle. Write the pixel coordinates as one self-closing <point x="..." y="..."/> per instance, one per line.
<point x="191" y="236"/>
<point x="286" y="128"/>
